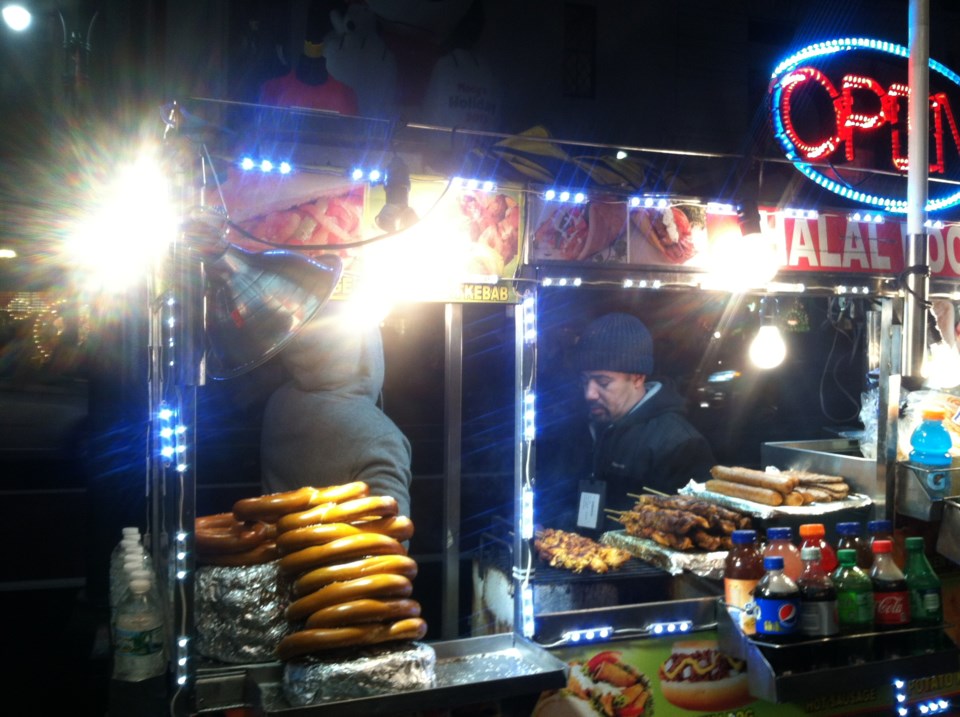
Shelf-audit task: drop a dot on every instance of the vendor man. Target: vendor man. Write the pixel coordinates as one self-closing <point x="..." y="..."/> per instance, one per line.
<point x="641" y="438"/>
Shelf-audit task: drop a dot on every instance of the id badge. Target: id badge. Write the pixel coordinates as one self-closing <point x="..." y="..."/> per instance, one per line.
<point x="593" y="495"/>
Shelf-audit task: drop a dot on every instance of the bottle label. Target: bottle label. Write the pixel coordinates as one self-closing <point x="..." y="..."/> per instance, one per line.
<point x="925" y="604"/>
<point x="855" y="608"/>
<point x="819" y="618"/>
<point x="138" y="642"/>
<point x="777" y="616"/>
<point x="891" y="608"/>
<point x="738" y="592"/>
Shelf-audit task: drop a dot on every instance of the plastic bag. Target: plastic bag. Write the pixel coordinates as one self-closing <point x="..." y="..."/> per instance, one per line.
<point x="869" y="409"/>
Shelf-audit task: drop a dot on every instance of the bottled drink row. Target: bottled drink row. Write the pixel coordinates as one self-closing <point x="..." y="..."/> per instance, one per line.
<point x="787" y="593"/>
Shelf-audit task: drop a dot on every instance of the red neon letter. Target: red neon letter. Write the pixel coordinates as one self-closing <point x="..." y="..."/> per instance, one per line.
<point x="848" y="119"/>
<point x="790" y="83"/>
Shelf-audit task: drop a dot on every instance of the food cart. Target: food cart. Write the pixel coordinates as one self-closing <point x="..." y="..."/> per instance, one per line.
<point x="548" y="241"/>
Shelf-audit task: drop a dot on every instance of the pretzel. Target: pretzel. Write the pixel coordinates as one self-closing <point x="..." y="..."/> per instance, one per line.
<point x="372" y="586"/>
<point x="269" y="508"/>
<point x="338" y="572"/>
<point x="399" y="527"/>
<point x="374" y="506"/>
<point x="263" y="553"/>
<point x="306" y="642"/>
<point x="223" y="533"/>
<point x="364" y="610"/>
<point x="348" y="548"/>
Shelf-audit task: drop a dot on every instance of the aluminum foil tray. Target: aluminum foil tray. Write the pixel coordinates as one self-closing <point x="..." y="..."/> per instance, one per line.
<point x="765" y="512"/>
<point x="701" y="563"/>
<point x="469" y="671"/>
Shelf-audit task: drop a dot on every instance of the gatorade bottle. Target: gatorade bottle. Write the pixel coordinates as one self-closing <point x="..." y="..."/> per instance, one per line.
<point x="813" y="536"/>
<point x="779" y="543"/>
<point x="777" y="599"/>
<point x="851" y="538"/>
<point x="931" y="441"/>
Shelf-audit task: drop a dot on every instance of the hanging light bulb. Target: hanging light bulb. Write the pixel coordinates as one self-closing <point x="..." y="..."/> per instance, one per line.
<point x="767" y="350"/>
<point x="941" y="366"/>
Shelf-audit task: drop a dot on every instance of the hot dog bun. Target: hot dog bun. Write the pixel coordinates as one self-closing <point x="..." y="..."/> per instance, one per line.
<point x="698" y="677"/>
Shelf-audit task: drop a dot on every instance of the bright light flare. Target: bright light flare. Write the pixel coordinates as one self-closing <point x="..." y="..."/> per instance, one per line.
<point x="17" y="17"/>
<point x="767" y="350"/>
<point x="133" y="222"/>
<point x="941" y="368"/>
<point x="738" y="263"/>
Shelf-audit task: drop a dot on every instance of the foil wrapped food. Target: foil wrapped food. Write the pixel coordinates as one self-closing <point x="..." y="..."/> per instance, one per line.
<point x="758" y="510"/>
<point x="356" y="673"/>
<point x="239" y="612"/>
<point x="701" y="563"/>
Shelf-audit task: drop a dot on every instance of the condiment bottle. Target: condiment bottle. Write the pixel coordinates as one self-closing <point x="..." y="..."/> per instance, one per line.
<point x="777" y="599"/>
<point x="742" y="569"/>
<point x="818" y="597"/>
<point x="813" y="535"/>
<point x="851" y="538"/>
<point x="779" y="543"/>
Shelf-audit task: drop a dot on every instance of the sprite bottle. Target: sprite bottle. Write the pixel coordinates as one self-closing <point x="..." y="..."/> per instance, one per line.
<point x="854" y="606"/>
<point x="926" y="606"/>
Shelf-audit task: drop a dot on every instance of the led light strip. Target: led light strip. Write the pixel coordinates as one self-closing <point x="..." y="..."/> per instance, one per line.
<point x="265" y="165"/>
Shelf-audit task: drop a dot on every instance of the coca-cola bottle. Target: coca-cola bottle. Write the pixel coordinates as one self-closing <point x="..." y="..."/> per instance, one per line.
<point x="891" y="599"/>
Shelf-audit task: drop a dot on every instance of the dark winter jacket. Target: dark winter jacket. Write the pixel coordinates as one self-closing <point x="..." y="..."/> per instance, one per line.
<point x="653" y="446"/>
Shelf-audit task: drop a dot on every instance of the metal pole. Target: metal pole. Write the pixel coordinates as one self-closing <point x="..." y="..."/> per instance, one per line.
<point x="917" y="250"/>
<point x="453" y="416"/>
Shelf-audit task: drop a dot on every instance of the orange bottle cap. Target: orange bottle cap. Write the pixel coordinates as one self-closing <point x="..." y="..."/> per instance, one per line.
<point x="934" y="414"/>
<point x="812" y="530"/>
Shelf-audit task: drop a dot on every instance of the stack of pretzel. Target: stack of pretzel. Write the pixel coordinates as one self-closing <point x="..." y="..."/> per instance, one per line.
<point x="341" y="549"/>
<point x="789" y="488"/>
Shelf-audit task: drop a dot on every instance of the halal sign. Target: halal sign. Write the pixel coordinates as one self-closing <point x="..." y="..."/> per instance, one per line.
<point x="839" y="111"/>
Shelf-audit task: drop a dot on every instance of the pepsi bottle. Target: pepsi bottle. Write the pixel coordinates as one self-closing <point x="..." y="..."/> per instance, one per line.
<point x="777" y="601"/>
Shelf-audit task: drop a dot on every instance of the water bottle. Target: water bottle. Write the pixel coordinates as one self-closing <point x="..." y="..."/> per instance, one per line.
<point x="138" y="635"/>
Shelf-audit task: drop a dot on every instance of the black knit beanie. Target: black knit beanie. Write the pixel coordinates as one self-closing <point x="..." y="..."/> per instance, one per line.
<point x="616" y="342"/>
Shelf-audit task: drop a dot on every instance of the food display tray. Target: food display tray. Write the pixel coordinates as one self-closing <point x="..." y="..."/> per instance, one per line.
<point x="704" y="564"/>
<point x="468" y="671"/>
<point x="792" y="672"/>
<point x="766" y="512"/>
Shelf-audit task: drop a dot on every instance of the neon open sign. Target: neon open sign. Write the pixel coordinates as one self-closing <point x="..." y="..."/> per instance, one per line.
<point x="860" y="107"/>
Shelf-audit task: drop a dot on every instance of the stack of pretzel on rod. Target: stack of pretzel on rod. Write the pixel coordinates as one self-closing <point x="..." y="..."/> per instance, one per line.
<point x="789" y="488"/>
<point x="341" y="550"/>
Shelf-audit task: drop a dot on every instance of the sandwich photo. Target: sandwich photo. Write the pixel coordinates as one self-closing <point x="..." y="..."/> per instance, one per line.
<point x="697" y="676"/>
<point x="603" y="686"/>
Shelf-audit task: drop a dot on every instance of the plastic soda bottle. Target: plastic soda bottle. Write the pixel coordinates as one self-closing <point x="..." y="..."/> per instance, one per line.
<point x="923" y="583"/>
<point x="780" y="543"/>
<point x="742" y="570"/>
<point x="883" y="530"/>
<point x="813" y="535"/>
<point x="891" y="599"/>
<point x="777" y="600"/>
<point x="850" y="537"/>
<point x="854" y="594"/>
<point x="818" y="597"/>
<point x="930" y="440"/>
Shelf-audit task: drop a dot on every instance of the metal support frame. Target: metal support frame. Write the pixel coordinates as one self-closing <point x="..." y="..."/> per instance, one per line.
<point x="453" y="410"/>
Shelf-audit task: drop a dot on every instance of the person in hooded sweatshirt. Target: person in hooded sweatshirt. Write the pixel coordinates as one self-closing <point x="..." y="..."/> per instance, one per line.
<point x="324" y="426"/>
<point x="642" y="439"/>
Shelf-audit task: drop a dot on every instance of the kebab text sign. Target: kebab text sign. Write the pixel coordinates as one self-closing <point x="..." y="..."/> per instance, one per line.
<point x="690" y="676"/>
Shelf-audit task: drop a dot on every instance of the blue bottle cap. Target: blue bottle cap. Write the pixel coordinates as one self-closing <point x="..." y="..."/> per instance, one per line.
<point x="850" y="528"/>
<point x="773" y="562"/>
<point x="743" y="537"/>
<point x="875" y="526"/>
<point x="779" y="534"/>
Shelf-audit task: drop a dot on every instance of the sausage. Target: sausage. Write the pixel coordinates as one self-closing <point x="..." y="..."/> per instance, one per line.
<point x="223" y="533"/>
<point x="358" y="612"/>
<point x="305" y="642"/>
<point x="372" y="586"/>
<point x="374" y="506"/>
<point x="375" y="565"/>
<point x="746" y="492"/>
<point x="771" y="481"/>
<point x="348" y="548"/>
<point x="263" y="553"/>
<point x="269" y="508"/>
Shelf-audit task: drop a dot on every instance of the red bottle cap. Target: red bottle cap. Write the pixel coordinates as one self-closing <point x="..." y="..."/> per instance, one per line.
<point x="882" y="546"/>
<point x="812" y="530"/>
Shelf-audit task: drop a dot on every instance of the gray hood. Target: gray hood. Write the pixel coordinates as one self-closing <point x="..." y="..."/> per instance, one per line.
<point x="329" y="355"/>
